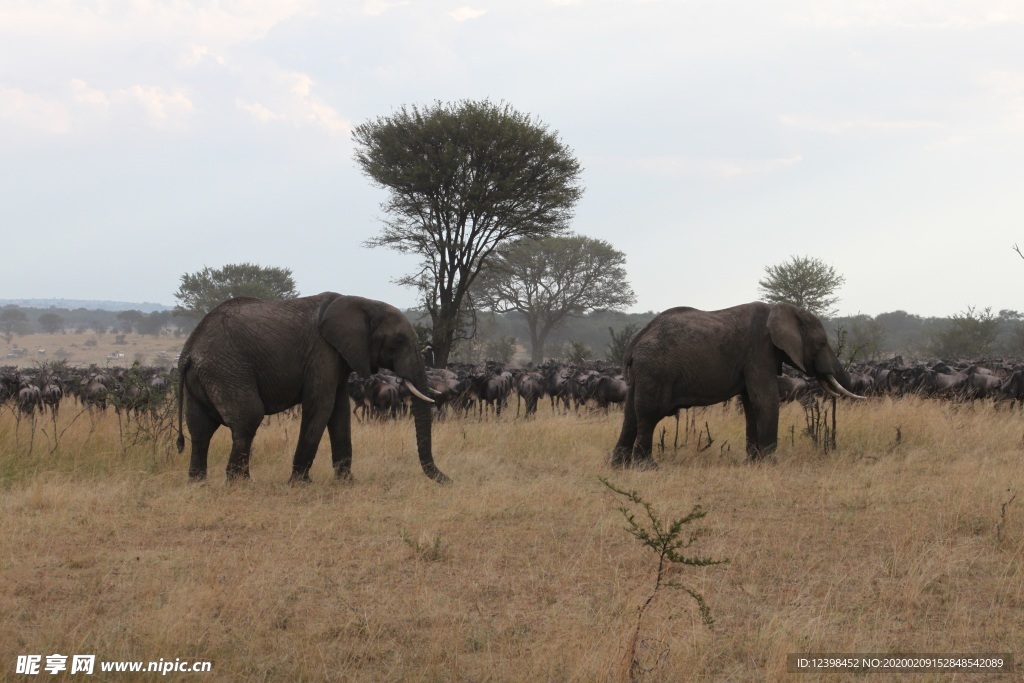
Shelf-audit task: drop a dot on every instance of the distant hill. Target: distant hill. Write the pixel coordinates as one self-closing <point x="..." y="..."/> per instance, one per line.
<point x="72" y="304"/>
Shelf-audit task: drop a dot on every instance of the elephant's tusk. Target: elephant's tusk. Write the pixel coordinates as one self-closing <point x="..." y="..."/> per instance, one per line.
<point x="434" y="391"/>
<point x="416" y="392"/>
<point x="827" y="389"/>
<point x="839" y="388"/>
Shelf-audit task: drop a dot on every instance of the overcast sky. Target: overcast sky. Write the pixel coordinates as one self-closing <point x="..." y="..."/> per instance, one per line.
<point x="142" y="139"/>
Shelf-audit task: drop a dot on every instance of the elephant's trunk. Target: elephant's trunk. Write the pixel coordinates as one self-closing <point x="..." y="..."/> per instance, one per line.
<point x="422" y="419"/>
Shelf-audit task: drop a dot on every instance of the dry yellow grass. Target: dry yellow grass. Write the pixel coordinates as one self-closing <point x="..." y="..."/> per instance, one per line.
<point x="520" y="570"/>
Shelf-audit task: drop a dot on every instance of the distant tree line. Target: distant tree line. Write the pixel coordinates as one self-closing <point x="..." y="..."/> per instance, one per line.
<point x="968" y="334"/>
<point x="601" y="335"/>
<point x="17" y="320"/>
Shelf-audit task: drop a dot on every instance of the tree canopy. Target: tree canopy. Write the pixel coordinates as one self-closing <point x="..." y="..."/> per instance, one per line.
<point x="803" y="281"/>
<point x="552" y="279"/>
<point x="201" y="292"/>
<point x="969" y="334"/>
<point x="461" y="179"/>
<point x="620" y="340"/>
<point x="13" y="320"/>
<point x="50" y="322"/>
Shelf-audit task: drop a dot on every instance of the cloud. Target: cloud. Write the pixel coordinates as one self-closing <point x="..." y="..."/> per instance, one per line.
<point x="327" y="117"/>
<point x="83" y="94"/>
<point x="466" y="13"/>
<point x="1007" y="96"/>
<point x="854" y="126"/>
<point x="258" y="111"/>
<point x="373" y="8"/>
<point x="294" y="103"/>
<point x="716" y="168"/>
<point x="301" y="84"/>
<point x="81" y="107"/>
<point x="166" y="109"/>
<point x="194" y="55"/>
<point x="914" y="14"/>
<point x="19" y="109"/>
<point x="952" y="142"/>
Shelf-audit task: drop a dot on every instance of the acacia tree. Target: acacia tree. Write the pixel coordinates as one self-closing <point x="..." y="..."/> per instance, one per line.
<point x="803" y="281"/>
<point x="201" y="292"/>
<point x="463" y="178"/>
<point x="620" y="342"/>
<point x="12" y="320"/>
<point x="130" y="320"/>
<point x="552" y="279"/>
<point x="51" y="323"/>
<point x="154" y="322"/>
<point x="968" y="334"/>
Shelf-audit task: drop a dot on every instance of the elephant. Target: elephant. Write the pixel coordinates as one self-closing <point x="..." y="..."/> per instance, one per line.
<point x="687" y="357"/>
<point x="249" y="358"/>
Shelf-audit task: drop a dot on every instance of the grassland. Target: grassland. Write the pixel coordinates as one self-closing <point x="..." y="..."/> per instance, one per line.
<point x="90" y="348"/>
<point x="521" y="569"/>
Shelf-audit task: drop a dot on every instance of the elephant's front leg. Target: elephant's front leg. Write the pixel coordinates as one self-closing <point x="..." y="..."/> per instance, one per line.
<point x="768" y="428"/>
<point x="762" y="420"/>
<point x="339" y="428"/>
<point x="750" y="416"/>
<point x="311" y="431"/>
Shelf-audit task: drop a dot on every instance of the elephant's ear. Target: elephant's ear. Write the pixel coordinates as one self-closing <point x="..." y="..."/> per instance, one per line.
<point x="345" y="325"/>
<point x="784" y="328"/>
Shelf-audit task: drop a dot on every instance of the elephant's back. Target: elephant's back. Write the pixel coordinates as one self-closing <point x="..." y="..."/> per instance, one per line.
<point x="688" y="339"/>
<point x="253" y="335"/>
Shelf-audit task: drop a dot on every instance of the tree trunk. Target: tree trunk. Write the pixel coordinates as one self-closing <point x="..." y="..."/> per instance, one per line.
<point x="537" y="342"/>
<point x="442" y="347"/>
<point x="445" y="319"/>
<point x="537" y="351"/>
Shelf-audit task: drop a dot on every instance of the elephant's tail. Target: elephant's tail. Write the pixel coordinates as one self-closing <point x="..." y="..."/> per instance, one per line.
<point x="181" y="399"/>
<point x="627" y="365"/>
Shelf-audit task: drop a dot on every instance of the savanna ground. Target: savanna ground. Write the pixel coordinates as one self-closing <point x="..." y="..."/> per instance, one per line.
<point x="90" y="348"/>
<point x="522" y="568"/>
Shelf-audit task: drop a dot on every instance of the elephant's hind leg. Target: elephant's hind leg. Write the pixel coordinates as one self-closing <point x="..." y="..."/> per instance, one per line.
<point x="200" y="429"/>
<point x="242" y="434"/>
<point x="643" y="447"/>
<point x="647" y="412"/>
<point x="623" y="452"/>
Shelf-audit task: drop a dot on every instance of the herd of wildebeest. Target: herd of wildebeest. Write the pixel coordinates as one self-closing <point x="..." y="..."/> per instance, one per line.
<point x="490" y="388"/>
